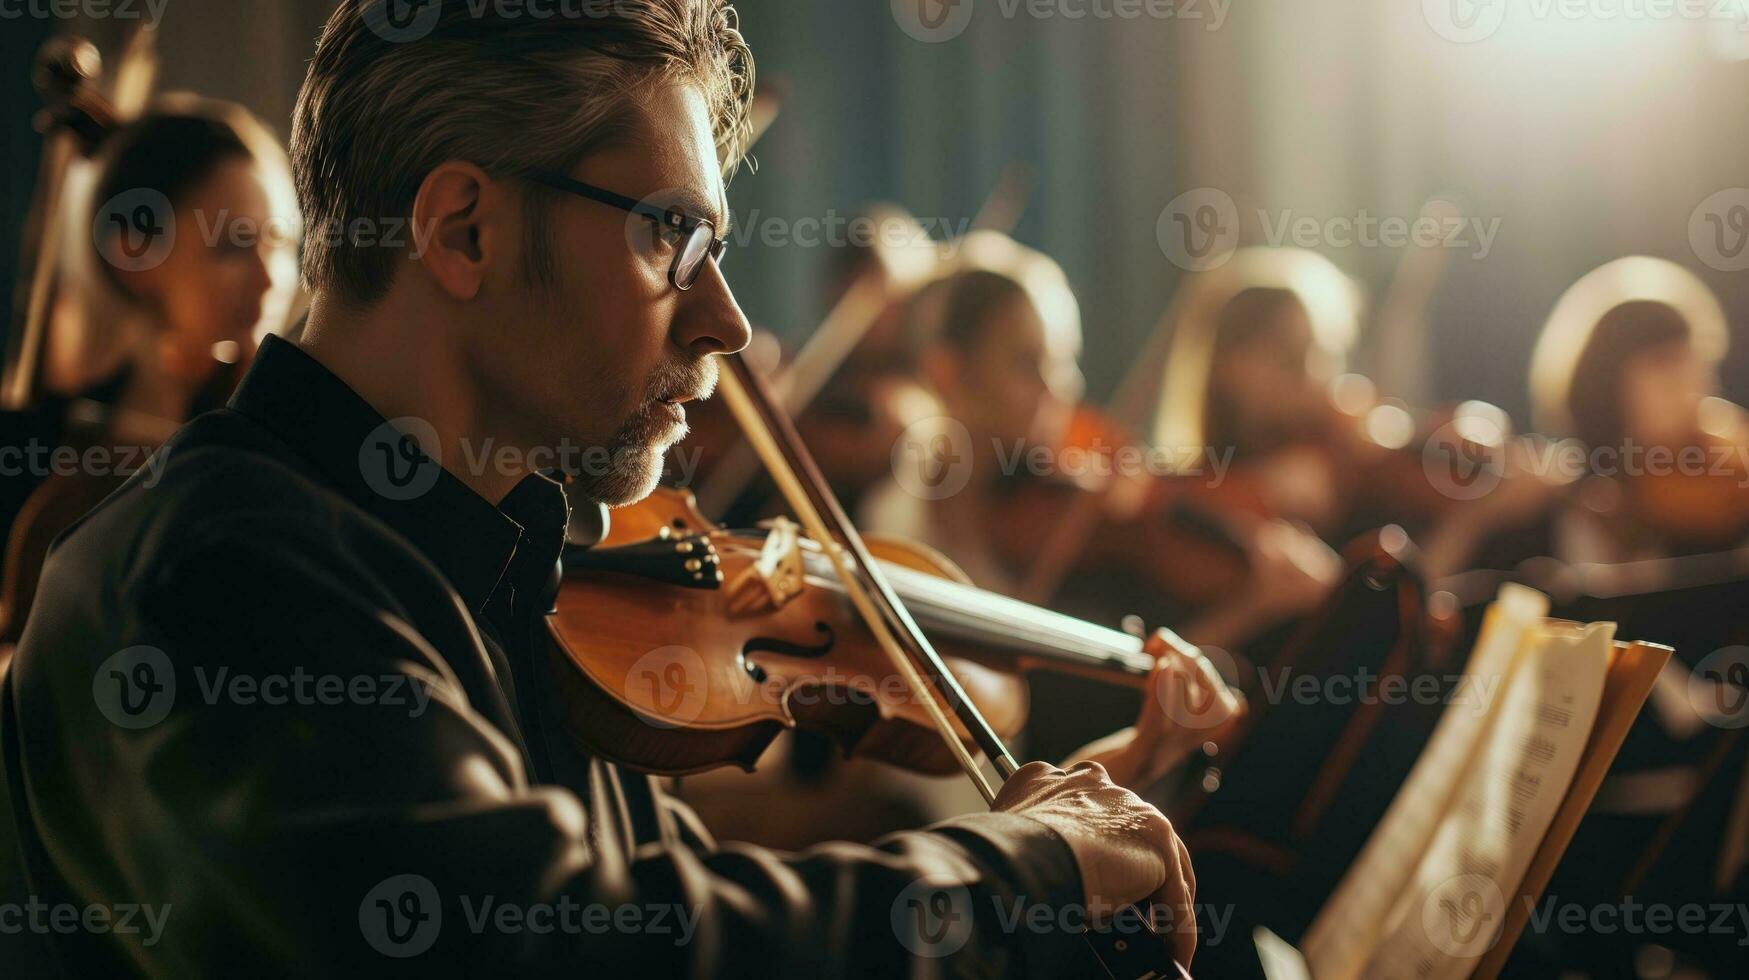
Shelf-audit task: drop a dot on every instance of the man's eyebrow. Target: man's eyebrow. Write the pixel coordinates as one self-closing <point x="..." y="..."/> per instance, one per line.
<point x="697" y="205"/>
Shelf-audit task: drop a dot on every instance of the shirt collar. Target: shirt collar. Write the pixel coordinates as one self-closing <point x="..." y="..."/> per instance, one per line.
<point x="374" y="463"/>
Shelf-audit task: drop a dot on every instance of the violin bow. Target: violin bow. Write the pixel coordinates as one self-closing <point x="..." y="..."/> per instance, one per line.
<point x="774" y="438"/>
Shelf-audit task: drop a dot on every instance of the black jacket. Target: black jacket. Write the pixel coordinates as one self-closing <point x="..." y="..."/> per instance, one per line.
<point x="277" y="710"/>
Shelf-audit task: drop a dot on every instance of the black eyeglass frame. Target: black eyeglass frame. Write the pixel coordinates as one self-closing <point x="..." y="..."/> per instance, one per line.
<point x="672" y="219"/>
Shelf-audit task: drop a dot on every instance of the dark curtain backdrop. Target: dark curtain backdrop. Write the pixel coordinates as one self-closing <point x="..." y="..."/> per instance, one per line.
<point x="1587" y="141"/>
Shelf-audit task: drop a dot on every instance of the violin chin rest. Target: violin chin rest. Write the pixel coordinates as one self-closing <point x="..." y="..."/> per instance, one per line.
<point x="588" y="525"/>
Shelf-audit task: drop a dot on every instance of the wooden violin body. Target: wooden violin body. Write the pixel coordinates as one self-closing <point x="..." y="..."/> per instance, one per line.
<point x="1161" y="529"/>
<point x="681" y="647"/>
<point x="1700" y="501"/>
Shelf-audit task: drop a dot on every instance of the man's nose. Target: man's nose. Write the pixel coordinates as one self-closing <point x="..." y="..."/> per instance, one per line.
<point x="710" y="321"/>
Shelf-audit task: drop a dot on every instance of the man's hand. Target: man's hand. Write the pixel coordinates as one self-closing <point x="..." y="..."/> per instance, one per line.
<point x="1126" y="850"/>
<point x="1187" y="704"/>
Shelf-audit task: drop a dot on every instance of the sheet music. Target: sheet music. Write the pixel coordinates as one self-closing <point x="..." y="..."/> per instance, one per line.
<point x="1348" y="927"/>
<point x="1453" y="911"/>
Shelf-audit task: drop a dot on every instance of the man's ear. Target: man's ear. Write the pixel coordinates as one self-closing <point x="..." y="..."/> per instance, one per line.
<point x="458" y="226"/>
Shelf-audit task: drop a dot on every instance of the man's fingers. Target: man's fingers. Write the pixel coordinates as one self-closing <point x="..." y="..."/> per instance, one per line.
<point x="1178" y="926"/>
<point x="1022" y="786"/>
<point x="1087" y="765"/>
<point x="1184" y="863"/>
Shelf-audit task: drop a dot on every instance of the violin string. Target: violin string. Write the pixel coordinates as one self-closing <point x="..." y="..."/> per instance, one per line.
<point x="915" y="644"/>
<point x="973" y="614"/>
<point x="735" y="387"/>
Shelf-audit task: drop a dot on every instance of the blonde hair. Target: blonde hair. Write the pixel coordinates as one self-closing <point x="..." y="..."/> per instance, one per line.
<point x="1332" y="302"/>
<point x="988" y="268"/>
<point x="505" y="92"/>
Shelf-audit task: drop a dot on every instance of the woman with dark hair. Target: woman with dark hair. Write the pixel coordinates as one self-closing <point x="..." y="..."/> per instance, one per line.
<point x="179" y="231"/>
<point x="190" y="212"/>
<point x="1255" y="346"/>
<point x="1626" y="366"/>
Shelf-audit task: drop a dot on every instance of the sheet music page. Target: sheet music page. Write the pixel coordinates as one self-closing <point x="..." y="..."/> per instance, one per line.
<point x="1346" y="931"/>
<point x="1452" y="913"/>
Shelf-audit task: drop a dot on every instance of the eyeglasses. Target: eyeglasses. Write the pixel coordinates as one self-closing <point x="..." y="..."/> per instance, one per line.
<point x="694" y="239"/>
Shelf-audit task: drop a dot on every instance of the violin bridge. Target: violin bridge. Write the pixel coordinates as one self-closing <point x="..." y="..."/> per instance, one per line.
<point x="778" y="569"/>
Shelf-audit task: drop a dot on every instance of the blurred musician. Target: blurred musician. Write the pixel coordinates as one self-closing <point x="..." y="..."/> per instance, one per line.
<point x="1255" y="346"/>
<point x="1255" y="369"/>
<point x="167" y="280"/>
<point x="999" y="342"/>
<point x="1627" y="365"/>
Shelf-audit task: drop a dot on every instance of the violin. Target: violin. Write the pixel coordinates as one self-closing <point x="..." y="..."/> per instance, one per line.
<point x="1170" y="531"/>
<point x="1406" y="467"/>
<point x="1703" y="507"/>
<point x="757" y="634"/>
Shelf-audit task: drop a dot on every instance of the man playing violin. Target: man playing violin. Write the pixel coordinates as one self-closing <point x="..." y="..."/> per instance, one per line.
<point x="284" y="695"/>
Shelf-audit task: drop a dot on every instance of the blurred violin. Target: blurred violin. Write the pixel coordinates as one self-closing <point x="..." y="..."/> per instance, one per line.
<point x="1700" y="502"/>
<point x="1169" y="531"/>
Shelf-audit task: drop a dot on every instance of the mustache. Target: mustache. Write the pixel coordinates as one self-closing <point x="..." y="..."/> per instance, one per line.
<point x="676" y="379"/>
